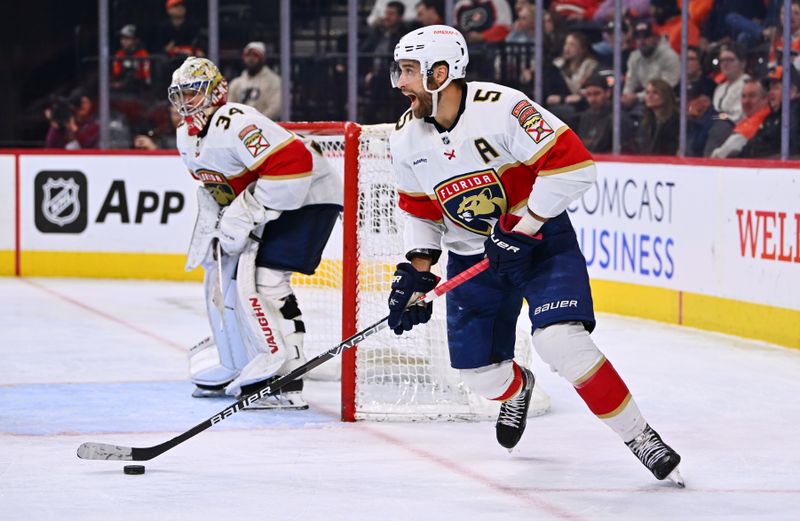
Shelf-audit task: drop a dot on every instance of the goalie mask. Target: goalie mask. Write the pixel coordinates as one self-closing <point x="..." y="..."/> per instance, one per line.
<point x="429" y="46"/>
<point x="196" y="90"/>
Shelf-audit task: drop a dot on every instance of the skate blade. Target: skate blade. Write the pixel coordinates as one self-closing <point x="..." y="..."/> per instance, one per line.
<point x="276" y="403"/>
<point x="676" y="478"/>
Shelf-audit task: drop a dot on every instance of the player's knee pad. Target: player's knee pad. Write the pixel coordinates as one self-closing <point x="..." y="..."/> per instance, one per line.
<point x="490" y="381"/>
<point x="567" y="348"/>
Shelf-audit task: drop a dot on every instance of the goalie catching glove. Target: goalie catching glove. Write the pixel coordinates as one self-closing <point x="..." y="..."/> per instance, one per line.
<point x="237" y="220"/>
<point x="407" y="285"/>
<point x="510" y="251"/>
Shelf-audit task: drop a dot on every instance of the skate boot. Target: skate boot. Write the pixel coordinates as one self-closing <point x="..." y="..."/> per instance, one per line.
<point x="289" y="397"/>
<point x="514" y="413"/>
<point x="656" y="455"/>
<point x="209" y="391"/>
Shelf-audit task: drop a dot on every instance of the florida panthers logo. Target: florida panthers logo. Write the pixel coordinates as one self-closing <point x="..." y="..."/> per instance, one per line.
<point x="473" y="201"/>
<point x="218" y="185"/>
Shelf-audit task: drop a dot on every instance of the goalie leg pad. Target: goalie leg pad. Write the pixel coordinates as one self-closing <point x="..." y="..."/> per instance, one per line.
<point x="218" y="361"/>
<point x="259" y="321"/>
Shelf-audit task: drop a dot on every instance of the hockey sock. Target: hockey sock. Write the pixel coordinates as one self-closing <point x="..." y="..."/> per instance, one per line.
<point x="514" y="386"/>
<point x="610" y="400"/>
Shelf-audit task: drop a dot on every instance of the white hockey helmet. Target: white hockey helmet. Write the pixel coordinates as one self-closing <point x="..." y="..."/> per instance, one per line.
<point x="430" y="45"/>
<point x="196" y="85"/>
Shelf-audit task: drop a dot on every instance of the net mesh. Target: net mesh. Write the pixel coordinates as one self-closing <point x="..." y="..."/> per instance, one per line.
<point x="404" y="377"/>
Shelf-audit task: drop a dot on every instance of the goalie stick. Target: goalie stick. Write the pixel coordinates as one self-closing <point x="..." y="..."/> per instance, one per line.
<point x="106" y="451"/>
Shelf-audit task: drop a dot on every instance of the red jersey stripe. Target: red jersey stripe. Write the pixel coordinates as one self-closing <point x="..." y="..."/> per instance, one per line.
<point x="291" y="160"/>
<point x="567" y="151"/>
<point x="420" y="206"/>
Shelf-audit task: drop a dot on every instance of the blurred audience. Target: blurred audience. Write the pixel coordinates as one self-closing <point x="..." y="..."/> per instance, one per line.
<point x="659" y="130"/>
<point x="766" y="143"/>
<point x="164" y="138"/>
<point x="776" y="47"/>
<point x="653" y="59"/>
<point x="667" y="15"/>
<point x="756" y="109"/>
<point x="635" y="8"/>
<point x="700" y="118"/>
<point x="728" y="94"/>
<point x="258" y="86"/>
<point x="524" y="28"/>
<point x="179" y="35"/>
<point x="696" y="74"/>
<point x="72" y="123"/>
<point x="483" y="21"/>
<point x="430" y="12"/>
<point x="595" y="125"/>
<point x="130" y="70"/>
<point x="409" y="16"/>
<point x="575" y="10"/>
<point x="575" y="66"/>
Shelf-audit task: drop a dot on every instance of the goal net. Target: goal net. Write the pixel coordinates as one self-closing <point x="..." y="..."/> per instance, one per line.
<point x="387" y="377"/>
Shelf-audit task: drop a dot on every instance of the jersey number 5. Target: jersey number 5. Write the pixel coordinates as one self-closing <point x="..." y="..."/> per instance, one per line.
<point x="491" y="95"/>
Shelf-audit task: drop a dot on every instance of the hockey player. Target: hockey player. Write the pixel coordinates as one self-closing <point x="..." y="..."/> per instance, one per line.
<point x="266" y="208"/>
<point x="483" y="171"/>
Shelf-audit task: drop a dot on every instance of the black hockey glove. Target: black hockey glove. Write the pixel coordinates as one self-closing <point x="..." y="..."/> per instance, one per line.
<point x="510" y="251"/>
<point x="407" y="282"/>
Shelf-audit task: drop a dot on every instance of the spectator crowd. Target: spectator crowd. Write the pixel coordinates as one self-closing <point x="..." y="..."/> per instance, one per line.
<point x="734" y="87"/>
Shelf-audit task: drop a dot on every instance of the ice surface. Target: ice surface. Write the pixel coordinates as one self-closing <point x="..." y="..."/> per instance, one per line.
<point x="105" y="361"/>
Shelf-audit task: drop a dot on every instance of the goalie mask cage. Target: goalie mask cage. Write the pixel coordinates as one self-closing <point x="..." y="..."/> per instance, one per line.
<point x="387" y="377"/>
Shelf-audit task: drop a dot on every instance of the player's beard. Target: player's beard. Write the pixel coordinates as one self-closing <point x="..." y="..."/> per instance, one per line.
<point x="424" y="106"/>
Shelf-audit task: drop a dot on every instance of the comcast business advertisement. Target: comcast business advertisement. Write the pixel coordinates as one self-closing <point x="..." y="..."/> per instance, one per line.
<point x="138" y="204"/>
<point x="722" y="231"/>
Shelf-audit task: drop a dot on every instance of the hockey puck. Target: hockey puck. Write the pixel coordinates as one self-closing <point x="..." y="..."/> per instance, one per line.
<point x="133" y="469"/>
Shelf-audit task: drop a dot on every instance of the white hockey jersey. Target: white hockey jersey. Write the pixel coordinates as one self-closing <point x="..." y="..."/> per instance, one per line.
<point x="240" y="145"/>
<point x="503" y="153"/>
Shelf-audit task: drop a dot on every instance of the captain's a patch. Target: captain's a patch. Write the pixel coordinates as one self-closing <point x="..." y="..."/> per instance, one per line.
<point x="254" y="140"/>
<point x="531" y="121"/>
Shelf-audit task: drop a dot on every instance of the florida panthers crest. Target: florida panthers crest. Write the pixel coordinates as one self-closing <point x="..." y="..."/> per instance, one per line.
<point x="473" y="200"/>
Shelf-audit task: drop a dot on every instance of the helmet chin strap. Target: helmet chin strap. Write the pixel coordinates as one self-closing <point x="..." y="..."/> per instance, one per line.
<point x="435" y="95"/>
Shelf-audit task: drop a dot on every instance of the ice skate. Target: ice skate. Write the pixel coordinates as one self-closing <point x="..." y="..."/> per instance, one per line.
<point x="209" y="391"/>
<point x="657" y="456"/>
<point x="514" y="413"/>
<point x="290" y="397"/>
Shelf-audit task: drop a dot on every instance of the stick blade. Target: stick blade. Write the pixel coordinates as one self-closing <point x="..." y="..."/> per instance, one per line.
<point x="105" y="451"/>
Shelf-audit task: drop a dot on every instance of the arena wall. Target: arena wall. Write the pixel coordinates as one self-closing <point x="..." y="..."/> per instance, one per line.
<point x="706" y="244"/>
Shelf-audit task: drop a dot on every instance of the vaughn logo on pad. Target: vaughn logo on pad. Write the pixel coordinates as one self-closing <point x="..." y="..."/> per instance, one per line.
<point x="60" y="201"/>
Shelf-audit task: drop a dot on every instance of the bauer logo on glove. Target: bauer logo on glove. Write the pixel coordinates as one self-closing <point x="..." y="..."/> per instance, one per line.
<point x="407" y="285"/>
<point x="509" y="251"/>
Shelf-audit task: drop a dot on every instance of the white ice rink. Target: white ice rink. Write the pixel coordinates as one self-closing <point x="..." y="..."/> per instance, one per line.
<point x="105" y="361"/>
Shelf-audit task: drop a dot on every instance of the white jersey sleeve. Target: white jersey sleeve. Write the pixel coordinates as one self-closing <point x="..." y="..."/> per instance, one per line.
<point x="563" y="166"/>
<point x="280" y="159"/>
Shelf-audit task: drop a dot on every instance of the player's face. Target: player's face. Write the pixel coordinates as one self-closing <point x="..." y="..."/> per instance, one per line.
<point x="410" y="84"/>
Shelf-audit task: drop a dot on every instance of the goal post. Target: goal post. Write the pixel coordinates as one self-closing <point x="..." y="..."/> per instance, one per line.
<point x="387" y="377"/>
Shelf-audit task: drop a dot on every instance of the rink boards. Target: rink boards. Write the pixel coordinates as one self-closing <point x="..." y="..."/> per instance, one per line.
<point x="707" y="244"/>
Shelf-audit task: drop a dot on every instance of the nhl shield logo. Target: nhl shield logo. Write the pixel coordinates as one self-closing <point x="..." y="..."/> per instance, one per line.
<point x="60" y="202"/>
<point x="473" y="201"/>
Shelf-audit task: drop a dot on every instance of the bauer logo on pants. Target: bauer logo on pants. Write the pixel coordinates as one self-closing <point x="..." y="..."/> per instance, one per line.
<point x="60" y="201"/>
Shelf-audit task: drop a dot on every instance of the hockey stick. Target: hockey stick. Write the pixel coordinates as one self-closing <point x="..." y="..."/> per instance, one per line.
<point x="105" y="451"/>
